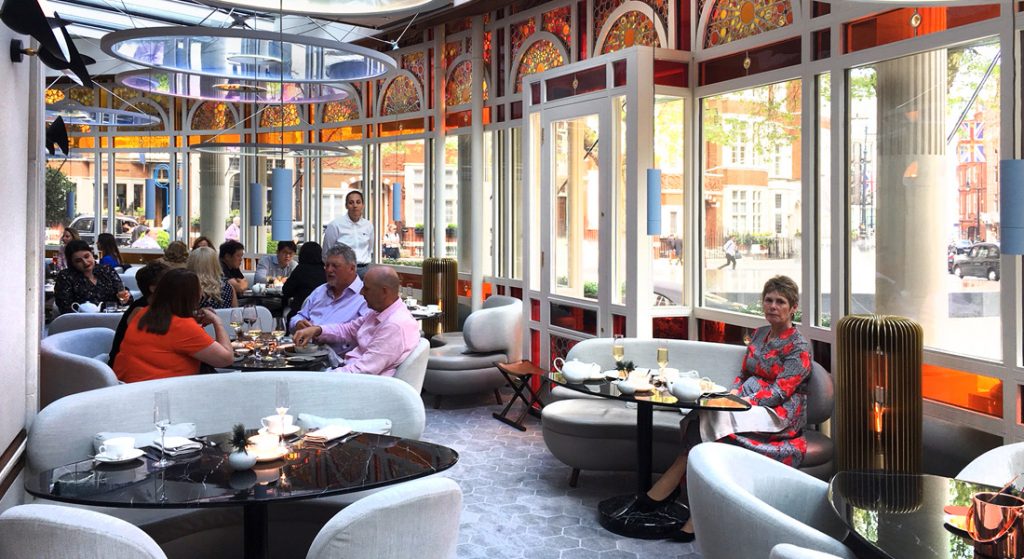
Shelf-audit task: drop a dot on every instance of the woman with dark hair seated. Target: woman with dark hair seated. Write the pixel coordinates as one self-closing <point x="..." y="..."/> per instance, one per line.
<point x="176" y="254"/>
<point x="306" y="277"/>
<point x="110" y="255"/>
<point x="203" y="241"/>
<point x="85" y="280"/>
<point x="167" y="339"/>
<point x="147" y="278"/>
<point x="773" y="377"/>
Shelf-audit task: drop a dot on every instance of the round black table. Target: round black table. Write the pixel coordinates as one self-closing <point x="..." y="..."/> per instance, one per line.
<point x="619" y="514"/>
<point x="204" y="479"/>
<point x="895" y="516"/>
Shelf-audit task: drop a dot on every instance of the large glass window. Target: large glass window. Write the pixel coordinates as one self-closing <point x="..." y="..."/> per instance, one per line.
<point x="667" y="248"/>
<point x="457" y="184"/>
<point x="923" y="178"/>
<point x="403" y="162"/>
<point x="575" y="193"/>
<point x="751" y="195"/>
<point x="338" y="176"/>
<point x="824" y="188"/>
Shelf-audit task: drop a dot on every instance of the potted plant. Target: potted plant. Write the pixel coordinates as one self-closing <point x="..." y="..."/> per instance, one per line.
<point x="624" y="368"/>
<point x="240" y="459"/>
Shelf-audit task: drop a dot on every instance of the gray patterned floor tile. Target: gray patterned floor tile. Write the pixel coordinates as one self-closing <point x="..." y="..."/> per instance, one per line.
<point x="517" y="502"/>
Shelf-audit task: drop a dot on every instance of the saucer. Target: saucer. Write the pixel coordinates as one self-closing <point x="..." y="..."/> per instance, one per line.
<point x="271" y="454"/>
<point x="309" y="350"/>
<point x="126" y="457"/>
<point x="302" y="359"/>
<point x="291" y="430"/>
<point x="716" y="389"/>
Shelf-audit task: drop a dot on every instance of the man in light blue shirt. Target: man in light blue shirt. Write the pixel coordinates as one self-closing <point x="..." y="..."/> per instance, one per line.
<point x="339" y="300"/>
<point x="280" y="265"/>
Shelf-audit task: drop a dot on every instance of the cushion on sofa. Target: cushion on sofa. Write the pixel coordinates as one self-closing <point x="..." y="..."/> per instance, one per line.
<point x="455" y="357"/>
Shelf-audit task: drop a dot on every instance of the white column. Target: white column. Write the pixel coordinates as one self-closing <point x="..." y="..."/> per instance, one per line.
<point x="439" y="69"/>
<point x="911" y="229"/>
<point x="476" y="198"/>
<point x="213" y="196"/>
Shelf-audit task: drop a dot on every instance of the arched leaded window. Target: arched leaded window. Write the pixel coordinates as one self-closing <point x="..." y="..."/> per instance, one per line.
<point x="401" y="96"/>
<point x="540" y="56"/>
<point x="732" y="20"/>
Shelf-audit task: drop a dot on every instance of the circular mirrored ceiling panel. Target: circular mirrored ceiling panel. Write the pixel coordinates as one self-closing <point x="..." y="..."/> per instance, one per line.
<point x="258" y="149"/>
<point x="76" y="113"/>
<point x="246" y="54"/>
<point x="329" y="7"/>
<point x="178" y="84"/>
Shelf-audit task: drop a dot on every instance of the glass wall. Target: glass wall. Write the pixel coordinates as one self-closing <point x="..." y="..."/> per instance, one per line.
<point x="404" y="162"/>
<point x="750" y="193"/>
<point x="339" y="176"/>
<point x="924" y="134"/>
<point x="824" y="189"/>
<point x="575" y="193"/>
<point x="667" y="248"/>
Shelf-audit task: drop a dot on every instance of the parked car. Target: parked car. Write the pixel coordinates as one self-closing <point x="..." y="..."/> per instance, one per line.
<point x="981" y="260"/>
<point x="123" y="232"/>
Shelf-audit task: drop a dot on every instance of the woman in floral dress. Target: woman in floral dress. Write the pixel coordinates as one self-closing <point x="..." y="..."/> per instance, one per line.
<point x="773" y="379"/>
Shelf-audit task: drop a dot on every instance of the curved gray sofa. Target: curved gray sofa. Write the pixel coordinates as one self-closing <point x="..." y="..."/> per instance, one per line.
<point x="77" y="321"/>
<point x="74" y="361"/>
<point x="465" y="362"/>
<point x="593" y="433"/>
<point x="63" y="432"/>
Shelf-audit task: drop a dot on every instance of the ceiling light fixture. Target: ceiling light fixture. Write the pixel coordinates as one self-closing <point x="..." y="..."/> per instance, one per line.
<point x="178" y="84"/>
<point x="263" y="149"/>
<point x="73" y="112"/>
<point x="331" y="8"/>
<point x="244" y="54"/>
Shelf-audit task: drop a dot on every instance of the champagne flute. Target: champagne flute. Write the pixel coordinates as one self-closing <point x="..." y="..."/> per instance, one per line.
<point x="161" y="419"/>
<point x="618" y="352"/>
<point x="281" y="403"/>
<point x="662" y="363"/>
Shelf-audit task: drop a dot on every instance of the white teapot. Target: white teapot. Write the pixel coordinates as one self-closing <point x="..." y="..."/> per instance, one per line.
<point x="576" y="371"/>
<point x="686" y="388"/>
<point x="258" y="288"/>
<point x="85" y="307"/>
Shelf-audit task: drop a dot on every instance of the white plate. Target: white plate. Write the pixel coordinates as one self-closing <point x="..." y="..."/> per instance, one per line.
<point x="291" y="430"/>
<point x="127" y="457"/>
<point x="611" y="375"/>
<point x="301" y="359"/>
<point x="716" y="389"/>
<point x="308" y="351"/>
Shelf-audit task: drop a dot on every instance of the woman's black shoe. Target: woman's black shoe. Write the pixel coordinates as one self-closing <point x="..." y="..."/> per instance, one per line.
<point x="683" y="536"/>
<point x="646" y="504"/>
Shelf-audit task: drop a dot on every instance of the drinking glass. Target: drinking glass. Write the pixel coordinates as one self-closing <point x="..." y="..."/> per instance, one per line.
<point x="281" y="403"/>
<point x="161" y="419"/>
<point x="236" y="322"/>
<point x="249" y="317"/>
<point x="662" y="357"/>
<point x="618" y="353"/>
<point x="280" y="329"/>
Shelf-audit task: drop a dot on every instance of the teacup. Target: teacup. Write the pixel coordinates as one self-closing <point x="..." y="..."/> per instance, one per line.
<point x="117" y="447"/>
<point x="277" y="424"/>
<point x="686" y="389"/>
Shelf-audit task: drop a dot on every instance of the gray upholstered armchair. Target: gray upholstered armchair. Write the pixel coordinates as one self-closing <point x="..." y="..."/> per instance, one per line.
<point x="77" y="321"/>
<point x="53" y="532"/>
<point x="996" y="467"/>
<point x="465" y="363"/>
<point x="790" y="551"/>
<point x="414" y="368"/>
<point x="418" y="518"/>
<point x="743" y="504"/>
<point x="73" y="362"/>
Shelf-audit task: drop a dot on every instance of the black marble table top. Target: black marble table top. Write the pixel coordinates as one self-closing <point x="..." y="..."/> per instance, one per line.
<point x="607" y="389"/>
<point x="903" y="515"/>
<point x="204" y="478"/>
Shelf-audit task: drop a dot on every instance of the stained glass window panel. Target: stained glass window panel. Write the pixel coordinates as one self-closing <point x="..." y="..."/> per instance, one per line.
<point x="415" y="63"/>
<point x="603" y="10"/>
<point x="558" y="22"/>
<point x="340" y="111"/>
<point x="402" y="96"/>
<point x="732" y="20"/>
<point x="540" y="57"/>
<point x="451" y="51"/>
<point x="273" y="115"/>
<point x="520" y="33"/>
<point x="213" y="116"/>
<point x="459" y="89"/>
<point x="633" y="28"/>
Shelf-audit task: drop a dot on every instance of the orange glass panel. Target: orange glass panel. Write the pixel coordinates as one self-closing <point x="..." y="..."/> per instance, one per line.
<point x="397" y="128"/>
<point x="341" y="134"/>
<point x="671" y="327"/>
<point x="574" y="318"/>
<point x="534" y="309"/>
<point x="618" y="325"/>
<point x="141" y="142"/>
<point x="720" y="332"/>
<point x="896" y="25"/>
<point x="963" y="390"/>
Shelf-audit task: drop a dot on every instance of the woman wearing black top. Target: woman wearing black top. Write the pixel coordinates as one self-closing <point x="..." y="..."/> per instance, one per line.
<point x="85" y="280"/>
<point x="306" y="277"/>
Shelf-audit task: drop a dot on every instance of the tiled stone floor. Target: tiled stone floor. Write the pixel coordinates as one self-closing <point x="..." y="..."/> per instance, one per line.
<point x="516" y="496"/>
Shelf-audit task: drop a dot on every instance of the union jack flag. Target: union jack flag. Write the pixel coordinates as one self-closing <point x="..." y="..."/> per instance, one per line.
<point x="971" y="148"/>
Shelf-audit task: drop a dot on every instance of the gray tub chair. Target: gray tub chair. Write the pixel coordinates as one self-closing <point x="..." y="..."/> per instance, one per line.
<point x="743" y="504"/>
<point x="77" y="321"/>
<point x="56" y="532"/>
<point x="73" y="362"/>
<point x="414" y="368"/>
<point x="465" y="363"/>
<point x="418" y="518"/>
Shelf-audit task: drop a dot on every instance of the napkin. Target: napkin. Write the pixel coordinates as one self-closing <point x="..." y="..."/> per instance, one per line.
<point x="328" y="433"/>
<point x="178" y="445"/>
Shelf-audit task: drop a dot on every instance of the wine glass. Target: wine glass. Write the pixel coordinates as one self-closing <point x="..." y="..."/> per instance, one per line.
<point x="281" y="403"/>
<point x="236" y="322"/>
<point x="662" y="363"/>
<point x="161" y="419"/>
<point x="280" y="329"/>
<point x="618" y="351"/>
<point x="249" y="317"/>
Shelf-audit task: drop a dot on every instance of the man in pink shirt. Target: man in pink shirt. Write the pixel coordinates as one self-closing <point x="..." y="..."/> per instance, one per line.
<point x="383" y="338"/>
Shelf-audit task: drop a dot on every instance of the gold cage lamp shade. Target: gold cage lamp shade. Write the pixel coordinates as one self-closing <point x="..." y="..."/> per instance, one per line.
<point x="878" y="394"/>
<point x="440" y="286"/>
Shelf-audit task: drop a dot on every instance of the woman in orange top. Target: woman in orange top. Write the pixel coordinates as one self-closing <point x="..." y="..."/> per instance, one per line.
<point x="167" y="338"/>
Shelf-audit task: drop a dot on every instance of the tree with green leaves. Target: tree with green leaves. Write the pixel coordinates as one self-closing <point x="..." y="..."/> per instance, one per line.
<point x="58" y="185"/>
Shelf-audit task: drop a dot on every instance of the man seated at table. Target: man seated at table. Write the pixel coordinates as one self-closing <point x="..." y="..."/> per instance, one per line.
<point x="337" y="301"/>
<point x="231" y="253"/>
<point x="383" y="338"/>
<point x="280" y="265"/>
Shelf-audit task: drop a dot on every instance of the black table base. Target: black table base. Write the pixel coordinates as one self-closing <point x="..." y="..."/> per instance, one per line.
<point x="619" y="515"/>
<point x="255" y="528"/>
